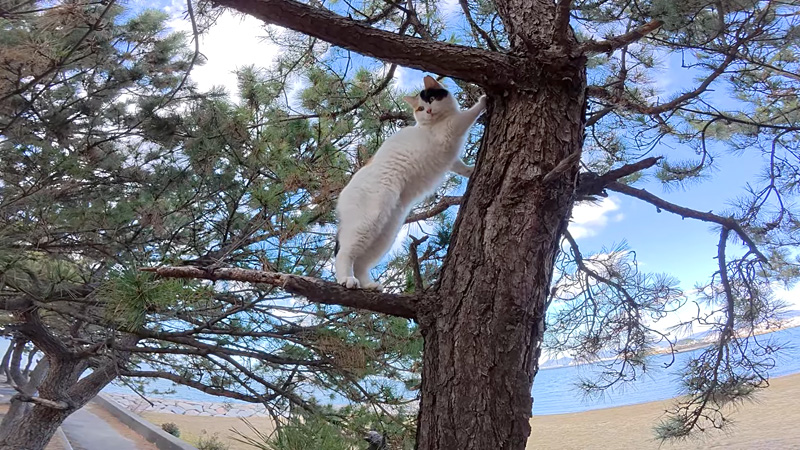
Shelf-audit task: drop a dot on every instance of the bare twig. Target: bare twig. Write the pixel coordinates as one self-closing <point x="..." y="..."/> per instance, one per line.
<point x="42" y="401"/>
<point x="476" y="29"/>
<point x="590" y="183"/>
<point x="563" y="166"/>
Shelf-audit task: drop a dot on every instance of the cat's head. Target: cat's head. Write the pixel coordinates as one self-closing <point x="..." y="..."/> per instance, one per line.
<point x="432" y="103"/>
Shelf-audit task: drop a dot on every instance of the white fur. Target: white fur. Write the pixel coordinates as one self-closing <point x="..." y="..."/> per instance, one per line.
<point x="409" y="165"/>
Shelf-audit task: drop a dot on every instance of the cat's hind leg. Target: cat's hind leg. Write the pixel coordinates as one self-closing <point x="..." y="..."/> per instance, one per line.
<point x="382" y="244"/>
<point x="363" y="214"/>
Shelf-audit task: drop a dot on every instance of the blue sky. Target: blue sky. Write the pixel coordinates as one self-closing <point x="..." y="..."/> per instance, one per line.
<point x="663" y="242"/>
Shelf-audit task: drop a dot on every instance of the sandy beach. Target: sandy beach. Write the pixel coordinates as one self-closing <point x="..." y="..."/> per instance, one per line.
<point x="771" y="422"/>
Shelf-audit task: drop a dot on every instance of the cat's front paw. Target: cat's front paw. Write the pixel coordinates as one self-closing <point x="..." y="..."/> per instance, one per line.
<point x="350" y="282"/>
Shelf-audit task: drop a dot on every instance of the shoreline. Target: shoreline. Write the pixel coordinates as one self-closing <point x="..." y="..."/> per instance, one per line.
<point x="671" y="399"/>
<point x="789" y="324"/>
<point x="767" y="422"/>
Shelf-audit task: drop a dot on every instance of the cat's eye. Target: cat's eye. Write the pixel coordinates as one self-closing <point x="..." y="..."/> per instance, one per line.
<point x="421" y="108"/>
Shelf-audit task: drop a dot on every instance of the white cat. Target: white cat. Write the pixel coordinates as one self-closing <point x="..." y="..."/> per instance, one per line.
<point x="409" y="165"/>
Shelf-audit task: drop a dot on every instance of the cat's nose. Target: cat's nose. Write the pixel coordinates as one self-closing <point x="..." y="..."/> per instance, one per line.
<point x="428" y="111"/>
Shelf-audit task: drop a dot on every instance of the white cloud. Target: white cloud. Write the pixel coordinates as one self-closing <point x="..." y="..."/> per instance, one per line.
<point x="232" y="42"/>
<point x="589" y="218"/>
<point x="450" y="9"/>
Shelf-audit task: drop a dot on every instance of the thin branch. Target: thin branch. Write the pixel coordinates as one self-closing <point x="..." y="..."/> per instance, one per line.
<point x="565" y="165"/>
<point x="412" y="253"/>
<point x="576" y="252"/>
<point x="313" y="289"/>
<point x="615" y="42"/>
<point x="438" y="208"/>
<point x="590" y="184"/>
<point x="476" y="29"/>
<point x="634" y="106"/>
<point x="727" y="331"/>
<point x="597" y="115"/>
<point x="467" y="63"/>
<point x="725" y="222"/>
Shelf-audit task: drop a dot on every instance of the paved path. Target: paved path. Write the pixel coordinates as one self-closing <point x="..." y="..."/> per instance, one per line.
<point x="86" y="431"/>
<point x="91" y="428"/>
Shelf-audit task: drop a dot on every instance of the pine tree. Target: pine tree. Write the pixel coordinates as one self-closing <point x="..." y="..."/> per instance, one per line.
<point x="571" y="81"/>
<point x="239" y="192"/>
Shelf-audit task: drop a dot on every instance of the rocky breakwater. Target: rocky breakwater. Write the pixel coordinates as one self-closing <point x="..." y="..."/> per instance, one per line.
<point x="188" y="408"/>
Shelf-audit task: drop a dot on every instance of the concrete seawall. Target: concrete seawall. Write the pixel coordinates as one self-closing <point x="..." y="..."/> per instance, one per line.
<point x="154" y="434"/>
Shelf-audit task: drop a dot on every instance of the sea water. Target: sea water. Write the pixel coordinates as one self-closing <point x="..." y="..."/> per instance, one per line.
<point x="555" y="391"/>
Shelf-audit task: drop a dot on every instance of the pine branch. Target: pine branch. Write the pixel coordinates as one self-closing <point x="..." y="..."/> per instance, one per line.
<point x="659" y="203"/>
<point x="313" y="289"/>
<point x="467" y="63"/>
<point x="589" y="183"/>
<point x="412" y="253"/>
<point x="615" y="42"/>
<point x="641" y="108"/>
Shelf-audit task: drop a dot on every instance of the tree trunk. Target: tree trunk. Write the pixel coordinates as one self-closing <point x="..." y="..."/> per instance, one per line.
<point x="483" y="329"/>
<point x="35" y="429"/>
<point x="39" y="423"/>
<point x="18" y="408"/>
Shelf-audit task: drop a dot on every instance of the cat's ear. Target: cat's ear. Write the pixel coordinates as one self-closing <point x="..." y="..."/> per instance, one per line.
<point x="412" y="100"/>
<point x="431" y="83"/>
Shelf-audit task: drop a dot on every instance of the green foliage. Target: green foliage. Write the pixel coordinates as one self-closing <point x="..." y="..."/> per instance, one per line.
<point x="212" y="442"/>
<point x="310" y="432"/>
<point x="132" y="295"/>
<point x="171" y="428"/>
<point x="345" y="429"/>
